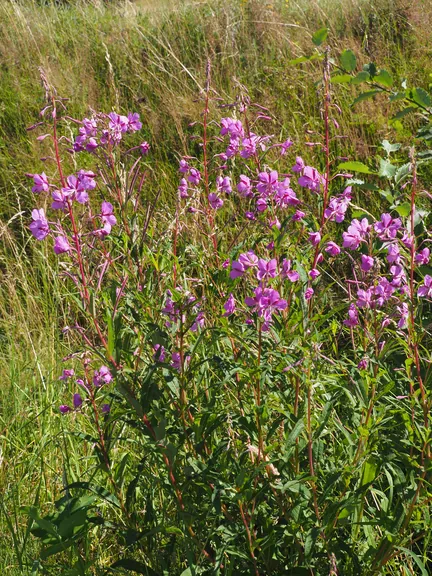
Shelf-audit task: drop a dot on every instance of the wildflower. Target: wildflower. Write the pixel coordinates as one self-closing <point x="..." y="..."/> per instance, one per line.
<point x="60" y="199"/>
<point x="314" y="238"/>
<point x="199" y="322"/>
<point x="133" y="122"/>
<point x="364" y="298"/>
<point x="285" y="196"/>
<point x="286" y="272"/>
<point x="309" y="292"/>
<point x="407" y="239"/>
<point x="399" y="276"/>
<point x="67" y="373"/>
<point x="285" y="146"/>
<point x="332" y="248"/>
<point x="363" y="364"/>
<point x="299" y="165"/>
<point x="224" y="184"/>
<point x="422" y="257"/>
<point x="183" y="166"/>
<point x="311" y="179"/>
<point x="356" y="233"/>
<point x="266" y="301"/>
<point x="244" y="187"/>
<point x="176" y="361"/>
<point x="261" y="204"/>
<point x="403" y="312"/>
<point x="230" y="305"/>
<point x="144" y="148"/>
<point x="267" y="183"/>
<point x="383" y="292"/>
<point x="102" y="376"/>
<point x="352" y="319"/>
<point x="387" y="228"/>
<point x="77" y="400"/>
<point x="237" y="270"/>
<point x="298" y="215"/>
<point x="266" y="269"/>
<point x="249" y="146"/>
<point x="107" y="216"/>
<point x="39" y="227"/>
<point x="64" y="408"/>
<point x="76" y="190"/>
<point x="194" y="176"/>
<point x="367" y="263"/>
<point x="248" y="259"/>
<point x="61" y="245"/>
<point x="314" y="273"/>
<point x="40" y="183"/>
<point x="105" y="408"/>
<point x="250" y="215"/>
<point x="425" y="290"/>
<point x="214" y="201"/>
<point x="337" y="208"/>
<point x="118" y="124"/>
<point x="159" y="353"/>
<point x="183" y="188"/>
<point x="393" y="254"/>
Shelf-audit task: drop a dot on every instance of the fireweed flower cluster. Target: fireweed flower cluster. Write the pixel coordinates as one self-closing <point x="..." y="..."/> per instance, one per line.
<point x="101" y="377"/>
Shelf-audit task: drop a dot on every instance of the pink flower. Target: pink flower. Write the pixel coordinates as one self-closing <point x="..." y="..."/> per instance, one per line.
<point x="285" y="196"/>
<point x="133" y="122"/>
<point x="214" y="201"/>
<point x="194" y="176"/>
<point x="309" y="292"/>
<point x="393" y="254"/>
<point x="364" y="298"/>
<point x="183" y="188"/>
<point x="311" y="179"/>
<point x="356" y="233"/>
<point x="39" y="227"/>
<point x="286" y="272"/>
<point x="237" y="270"/>
<point x="224" y="184"/>
<point x="367" y="263"/>
<point x="144" y="148"/>
<point x="299" y="165"/>
<point x="314" y="238"/>
<point x="285" y="146"/>
<point x="40" y="183"/>
<point x="67" y="373"/>
<point x="332" y="248"/>
<point x="230" y="305"/>
<point x="159" y="353"/>
<point x="183" y="166"/>
<point x="298" y="215"/>
<point x="248" y="259"/>
<point x="314" y="273"/>
<point x="61" y="245"/>
<point x="352" y="319"/>
<point x="267" y="183"/>
<point x="102" y="376"/>
<point x="425" y="291"/>
<point x="266" y="269"/>
<point x="244" y="187"/>
<point x="107" y="216"/>
<point x="387" y="228"/>
<point x="422" y="257"/>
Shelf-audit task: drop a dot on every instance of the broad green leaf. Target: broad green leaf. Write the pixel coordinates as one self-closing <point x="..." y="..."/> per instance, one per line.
<point x="420" y="97"/>
<point x="404" y="112"/>
<point x="384" y="78"/>
<point x="386" y="169"/>
<point x="355" y="166"/>
<point x="361" y="77"/>
<point x="348" y="60"/>
<point x="403" y="209"/>
<point x="366" y="96"/>
<point x="320" y="36"/>
<point x="389" y="148"/>
<point x="369" y="471"/>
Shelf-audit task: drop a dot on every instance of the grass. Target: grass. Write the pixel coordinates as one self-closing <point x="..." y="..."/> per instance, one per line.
<point x="149" y="57"/>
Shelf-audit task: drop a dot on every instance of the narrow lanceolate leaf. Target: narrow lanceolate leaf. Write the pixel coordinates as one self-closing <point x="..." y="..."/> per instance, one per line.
<point x="355" y="166"/>
<point x="348" y="60"/>
<point x="320" y="36"/>
<point x="366" y="96"/>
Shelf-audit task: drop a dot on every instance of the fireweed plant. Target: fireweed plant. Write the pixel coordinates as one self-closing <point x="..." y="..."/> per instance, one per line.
<point x="250" y="380"/>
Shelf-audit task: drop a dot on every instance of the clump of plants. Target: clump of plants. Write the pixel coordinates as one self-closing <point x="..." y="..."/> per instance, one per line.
<point x="249" y="382"/>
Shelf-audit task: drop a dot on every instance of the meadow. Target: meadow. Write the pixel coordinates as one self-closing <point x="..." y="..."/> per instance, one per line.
<point x="223" y="366"/>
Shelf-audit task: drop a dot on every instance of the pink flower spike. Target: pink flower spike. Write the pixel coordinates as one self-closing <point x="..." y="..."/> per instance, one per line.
<point x="61" y="245"/>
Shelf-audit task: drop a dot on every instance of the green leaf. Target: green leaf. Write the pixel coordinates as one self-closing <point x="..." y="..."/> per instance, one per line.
<point x="404" y="112"/>
<point x="386" y="169"/>
<point x="371" y="69"/>
<point x="403" y="209"/>
<point x="320" y="36"/>
<point x="416" y="559"/>
<point x="348" y="60"/>
<point x="366" y="96"/>
<point x="135" y="566"/>
<point x="355" y="166"/>
<point x="384" y="78"/>
<point x="369" y="471"/>
<point x="389" y="148"/>
<point x="420" y="97"/>
<point x="341" y="79"/>
<point x="299" y="60"/>
<point x="361" y="77"/>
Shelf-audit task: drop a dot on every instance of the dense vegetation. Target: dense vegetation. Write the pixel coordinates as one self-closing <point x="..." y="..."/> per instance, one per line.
<point x="222" y="370"/>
